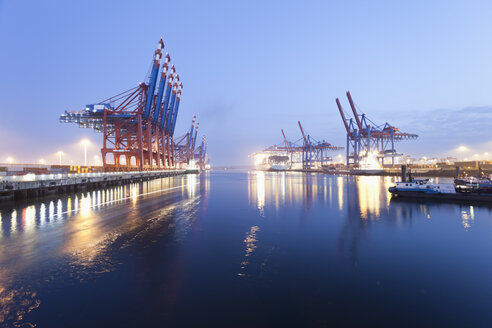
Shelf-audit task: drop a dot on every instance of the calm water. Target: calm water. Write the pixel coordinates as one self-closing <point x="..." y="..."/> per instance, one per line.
<point x="253" y="249"/>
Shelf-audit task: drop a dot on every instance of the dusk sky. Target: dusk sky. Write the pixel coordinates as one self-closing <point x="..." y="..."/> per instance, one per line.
<point x="250" y="68"/>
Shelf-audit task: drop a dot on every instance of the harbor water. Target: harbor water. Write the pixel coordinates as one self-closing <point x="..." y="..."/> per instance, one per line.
<point x="245" y="249"/>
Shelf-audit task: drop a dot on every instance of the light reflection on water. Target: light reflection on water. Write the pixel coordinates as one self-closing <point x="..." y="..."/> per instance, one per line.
<point x="331" y="239"/>
<point x="360" y="201"/>
<point x="367" y="196"/>
<point x="80" y="228"/>
<point x="467" y="217"/>
<point x="51" y="211"/>
<point x="250" y="242"/>
<point x="290" y="188"/>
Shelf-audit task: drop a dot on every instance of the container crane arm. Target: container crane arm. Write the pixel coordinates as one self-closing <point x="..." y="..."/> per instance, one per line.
<point x="343" y="116"/>
<point x="165" y="108"/>
<point x="306" y="143"/>
<point x="285" y="139"/>
<point x="160" y="92"/>
<point x="175" y="115"/>
<point x="356" y="116"/>
<point x="153" y="80"/>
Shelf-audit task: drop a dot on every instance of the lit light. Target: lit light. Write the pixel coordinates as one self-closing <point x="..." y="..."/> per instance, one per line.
<point x="85" y="143"/>
<point x="370" y="161"/>
<point x="476" y="155"/>
<point x="41" y="161"/>
<point x="10" y="160"/>
<point x="462" y="148"/>
<point x="29" y="177"/>
<point x="259" y="159"/>
<point x="486" y="154"/>
<point x="60" y="154"/>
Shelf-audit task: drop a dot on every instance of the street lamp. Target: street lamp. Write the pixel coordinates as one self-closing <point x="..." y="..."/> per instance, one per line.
<point x="85" y="143"/>
<point x="60" y="154"/>
<point x="463" y="149"/>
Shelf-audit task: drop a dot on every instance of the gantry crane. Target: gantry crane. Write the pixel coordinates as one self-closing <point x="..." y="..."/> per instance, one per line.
<point x="305" y="151"/>
<point x="364" y="138"/>
<point x="138" y="124"/>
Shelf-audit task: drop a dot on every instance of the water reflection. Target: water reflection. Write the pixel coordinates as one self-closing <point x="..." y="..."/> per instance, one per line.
<point x="367" y="194"/>
<point x="360" y="200"/>
<point x="467" y="217"/>
<point x="83" y="228"/>
<point x="280" y="188"/>
<point x="251" y="244"/>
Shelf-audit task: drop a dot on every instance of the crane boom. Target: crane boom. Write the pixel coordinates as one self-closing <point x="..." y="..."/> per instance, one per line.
<point x="165" y="109"/>
<point x="354" y="111"/>
<point x="191" y="131"/>
<point x="343" y="116"/>
<point x="153" y="80"/>
<point x="285" y="139"/>
<point x="175" y="115"/>
<point x="194" y="138"/>
<point x="160" y="92"/>
<point x="303" y="135"/>
<point x="170" y="109"/>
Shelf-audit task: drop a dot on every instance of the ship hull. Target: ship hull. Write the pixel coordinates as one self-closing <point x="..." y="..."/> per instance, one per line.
<point x="462" y="197"/>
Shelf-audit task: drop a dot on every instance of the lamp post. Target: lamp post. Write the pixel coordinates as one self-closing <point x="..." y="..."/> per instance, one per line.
<point x="60" y="153"/>
<point x="463" y="149"/>
<point x="85" y="143"/>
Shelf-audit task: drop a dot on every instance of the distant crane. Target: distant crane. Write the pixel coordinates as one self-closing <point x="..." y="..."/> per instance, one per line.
<point x="364" y="138"/>
<point x="305" y="151"/>
<point x="185" y="146"/>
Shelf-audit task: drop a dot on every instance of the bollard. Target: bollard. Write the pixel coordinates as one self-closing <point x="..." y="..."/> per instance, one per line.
<point x="403" y="173"/>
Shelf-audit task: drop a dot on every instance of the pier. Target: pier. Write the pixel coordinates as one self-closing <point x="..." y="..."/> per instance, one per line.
<point x="32" y="186"/>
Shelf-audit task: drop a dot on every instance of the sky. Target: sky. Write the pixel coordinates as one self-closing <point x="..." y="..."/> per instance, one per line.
<point x="250" y="68"/>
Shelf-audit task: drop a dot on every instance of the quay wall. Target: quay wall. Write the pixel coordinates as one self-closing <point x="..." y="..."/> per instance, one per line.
<point x="33" y="186"/>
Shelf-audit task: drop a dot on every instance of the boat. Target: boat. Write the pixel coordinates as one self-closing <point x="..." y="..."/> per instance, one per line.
<point x="273" y="163"/>
<point x="471" y="184"/>
<point x="279" y="166"/>
<point x="425" y="188"/>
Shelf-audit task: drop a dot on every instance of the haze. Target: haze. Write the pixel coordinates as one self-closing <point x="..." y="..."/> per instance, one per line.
<point x="251" y="68"/>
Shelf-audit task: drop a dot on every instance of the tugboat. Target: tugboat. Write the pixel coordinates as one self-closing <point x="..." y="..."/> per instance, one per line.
<point x="458" y="191"/>
<point x="470" y="184"/>
<point x="419" y="187"/>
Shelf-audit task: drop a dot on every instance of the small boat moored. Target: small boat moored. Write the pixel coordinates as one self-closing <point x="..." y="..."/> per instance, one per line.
<point x="425" y="188"/>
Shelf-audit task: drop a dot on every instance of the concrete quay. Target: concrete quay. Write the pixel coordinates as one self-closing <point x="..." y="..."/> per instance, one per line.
<point x="33" y="186"/>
